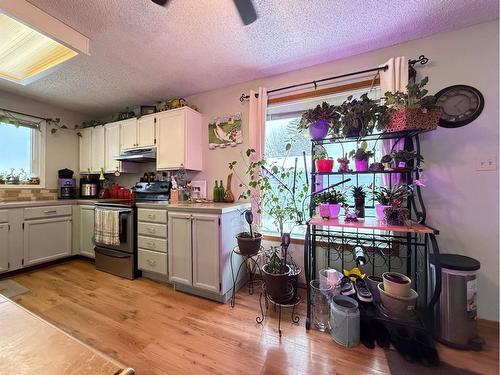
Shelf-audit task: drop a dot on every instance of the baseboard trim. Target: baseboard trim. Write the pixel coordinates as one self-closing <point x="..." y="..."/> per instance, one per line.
<point x="44" y="265"/>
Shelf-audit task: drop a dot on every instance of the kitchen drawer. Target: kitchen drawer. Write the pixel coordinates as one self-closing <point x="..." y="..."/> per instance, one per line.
<point x="156" y="230"/>
<point x="153" y="216"/>
<point x="47" y="211"/>
<point x="152" y="261"/>
<point x="4" y="216"/>
<point x="150" y="243"/>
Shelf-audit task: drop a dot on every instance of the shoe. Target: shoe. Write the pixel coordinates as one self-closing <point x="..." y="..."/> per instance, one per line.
<point x="362" y="291"/>
<point x="404" y="344"/>
<point x="346" y="287"/>
<point x="428" y="353"/>
<point x="381" y="334"/>
<point x="366" y="334"/>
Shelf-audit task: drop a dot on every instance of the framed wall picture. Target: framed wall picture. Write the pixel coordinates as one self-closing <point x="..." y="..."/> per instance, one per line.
<point x="147" y="109"/>
<point x="225" y="131"/>
<point x="199" y="189"/>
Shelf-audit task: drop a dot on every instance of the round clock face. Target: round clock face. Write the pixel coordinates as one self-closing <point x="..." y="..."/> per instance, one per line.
<point x="461" y="105"/>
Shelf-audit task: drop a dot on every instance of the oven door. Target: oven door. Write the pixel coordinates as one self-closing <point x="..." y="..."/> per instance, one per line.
<point x="126" y="231"/>
<point x="115" y="262"/>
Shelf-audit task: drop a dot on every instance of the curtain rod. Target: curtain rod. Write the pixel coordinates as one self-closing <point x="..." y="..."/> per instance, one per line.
<point x="421" y="59"/>
<point x="23" y="114"/>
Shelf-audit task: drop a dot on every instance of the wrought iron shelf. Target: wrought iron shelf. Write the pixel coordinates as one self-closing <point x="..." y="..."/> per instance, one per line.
<point x="368" y="137"/>
<point x="393" y="171"/>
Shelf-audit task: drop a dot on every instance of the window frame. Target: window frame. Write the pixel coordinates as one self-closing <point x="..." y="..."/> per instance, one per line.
<point x="38" y="158"/>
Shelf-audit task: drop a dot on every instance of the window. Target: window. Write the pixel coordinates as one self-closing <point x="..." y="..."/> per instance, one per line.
<point x="21" y="152"/>
<point x="281" y="127"/>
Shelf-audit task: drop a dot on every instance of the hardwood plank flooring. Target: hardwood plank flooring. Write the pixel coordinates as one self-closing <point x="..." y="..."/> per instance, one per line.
<point x="156" y="330"/>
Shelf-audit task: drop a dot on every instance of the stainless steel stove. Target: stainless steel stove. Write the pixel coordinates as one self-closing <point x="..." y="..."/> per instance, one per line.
<point x="152" y="191"/>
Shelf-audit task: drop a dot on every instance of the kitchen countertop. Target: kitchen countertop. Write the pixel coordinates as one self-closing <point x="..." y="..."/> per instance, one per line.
<point x="56" y="202"/>
<point x="217" y="208"/>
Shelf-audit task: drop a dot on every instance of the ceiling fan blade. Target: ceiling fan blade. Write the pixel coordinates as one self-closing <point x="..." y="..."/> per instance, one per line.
<point x="160" y="2"/>
<point x="246" y="10"/>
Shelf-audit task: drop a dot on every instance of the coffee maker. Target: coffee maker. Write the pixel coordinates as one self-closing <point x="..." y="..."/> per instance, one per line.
<point x="66" y="184"/>
<point x="89" y="187"/>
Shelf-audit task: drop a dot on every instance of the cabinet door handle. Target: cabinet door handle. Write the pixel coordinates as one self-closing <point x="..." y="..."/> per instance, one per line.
<point x="152" y="263"/>
<point x="50" y="212"/>
<point x="151" y="216"/>
<point x="151" y="230"/>
<point x="152" y="244"/>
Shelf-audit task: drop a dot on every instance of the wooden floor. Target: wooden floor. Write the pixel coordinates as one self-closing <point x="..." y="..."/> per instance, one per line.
<point x="150" y="327"/>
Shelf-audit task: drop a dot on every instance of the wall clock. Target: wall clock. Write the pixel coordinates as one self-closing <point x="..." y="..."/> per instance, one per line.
<point x="461" y="104"/>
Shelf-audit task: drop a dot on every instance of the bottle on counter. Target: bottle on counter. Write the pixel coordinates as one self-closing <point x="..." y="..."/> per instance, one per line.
<point x="216" y="192"/>
<point x="221" y="192"/>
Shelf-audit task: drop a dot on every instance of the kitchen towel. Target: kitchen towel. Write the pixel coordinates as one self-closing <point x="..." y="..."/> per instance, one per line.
<point x="107" y="227"/>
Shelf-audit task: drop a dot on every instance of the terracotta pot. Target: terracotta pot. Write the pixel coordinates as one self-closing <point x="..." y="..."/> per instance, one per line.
<point x="324" y="165"/>
<point x="248" y="246"/>
<point x="276" y="283"/>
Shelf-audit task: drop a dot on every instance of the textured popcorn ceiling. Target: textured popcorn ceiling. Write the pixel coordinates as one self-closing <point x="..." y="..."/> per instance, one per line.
<point x="141" y="52"/>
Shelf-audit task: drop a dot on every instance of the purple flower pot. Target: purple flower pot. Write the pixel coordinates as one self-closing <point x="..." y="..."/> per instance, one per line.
<point x="329" y="211"/>
<point x="361" y="165"/>
<point x="379" y="211"/>
<point x="319" y="129"/>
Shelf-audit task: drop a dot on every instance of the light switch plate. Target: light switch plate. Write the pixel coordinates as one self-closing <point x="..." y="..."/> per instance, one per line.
<point x="487" y="163"/>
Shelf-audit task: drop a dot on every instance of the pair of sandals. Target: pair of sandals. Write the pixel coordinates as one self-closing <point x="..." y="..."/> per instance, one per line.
<point x="360" y="289"/>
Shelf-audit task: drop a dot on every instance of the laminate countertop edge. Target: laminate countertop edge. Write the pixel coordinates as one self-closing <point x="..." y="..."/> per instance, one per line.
<point x="217" y="208"/>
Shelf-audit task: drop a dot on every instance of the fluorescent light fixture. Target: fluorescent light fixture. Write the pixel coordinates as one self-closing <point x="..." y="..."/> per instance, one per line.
<point x="33" y="42"/>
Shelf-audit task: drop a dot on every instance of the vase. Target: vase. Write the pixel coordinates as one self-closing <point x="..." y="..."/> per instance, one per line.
<point x="361" y="165"/>
<point x="379" y="211"/>
<point x="359" y="204"/>
<point x="319" y="129"/>
<point x="324" y="165"/>
<point x="228" y="194"/>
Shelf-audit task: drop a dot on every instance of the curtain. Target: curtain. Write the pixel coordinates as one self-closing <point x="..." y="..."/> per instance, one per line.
<point x="395" y="78"/>
<point x="256" y="132"/>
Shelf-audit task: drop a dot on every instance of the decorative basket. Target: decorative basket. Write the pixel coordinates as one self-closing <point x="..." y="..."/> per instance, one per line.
<point x="415" y="119"/>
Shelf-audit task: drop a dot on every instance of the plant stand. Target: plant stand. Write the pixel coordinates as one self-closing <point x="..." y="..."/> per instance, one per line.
<point x="251" y="263"/>
<point x="402" y="248"/>
<point x="287" y="301"/>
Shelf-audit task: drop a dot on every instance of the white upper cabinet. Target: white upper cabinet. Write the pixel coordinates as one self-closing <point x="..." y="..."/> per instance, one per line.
<point x="112" y="143"/>
<point x="98" y="149"/>
<point x="146" y="131"/>
<point x="178" y="138"/>
<point x="85" y="150"/>
<point x="128" y="130"/>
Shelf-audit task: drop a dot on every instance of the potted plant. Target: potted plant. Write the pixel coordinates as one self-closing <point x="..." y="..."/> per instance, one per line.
<point x="275" y="273"/>
<point x="343" y="164"/>
<point x="324" y="164"/>
<point x="405" y="159"/>
<point x="386" y="197"/>
<point x="359" y="194"/>
<point x="387" y="162"/>
<point x="412" y="110"/>
<point x="360" y="117"/>
<point x="320" y="120"/>
<point x="329" y="203"/>
<point x="361" y="157"/>
<point x="396" y="214"/>
<point x="249" y="242"/>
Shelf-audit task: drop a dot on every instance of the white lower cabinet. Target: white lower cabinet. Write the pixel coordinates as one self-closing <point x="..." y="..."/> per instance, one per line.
<point x="87" y="231"/>
<point x="152" y="241"/>
<point x="46" y="239"/>
<point x="194" y="250"/>
<point x="4" y="247"/>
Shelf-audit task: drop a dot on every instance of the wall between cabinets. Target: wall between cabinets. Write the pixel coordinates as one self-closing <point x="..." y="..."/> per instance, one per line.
<point x="62" y="147"/>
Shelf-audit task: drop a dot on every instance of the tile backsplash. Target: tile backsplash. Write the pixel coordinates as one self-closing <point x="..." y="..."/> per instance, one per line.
<point x="12" y="194"/>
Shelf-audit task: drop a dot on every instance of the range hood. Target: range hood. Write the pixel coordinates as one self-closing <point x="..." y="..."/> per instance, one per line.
<point x="138" y="155"/>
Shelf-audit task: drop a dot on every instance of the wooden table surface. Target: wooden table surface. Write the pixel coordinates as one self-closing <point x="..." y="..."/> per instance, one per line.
<point x="30" y="345"/>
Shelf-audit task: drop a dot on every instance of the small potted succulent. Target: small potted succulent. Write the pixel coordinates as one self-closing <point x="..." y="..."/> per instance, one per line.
<point x="387" y="162"/>
<point x="386" y="197"/>
<point x="275" y="273"/>
<point x="396" y="214"/>
<point x="329" y="203"/>
<point x="324" y="164"/>
<point x="361" y="157"/>
<point x="249" y="242"/>
<point x="361" y="116"/>
<point x="405" y="159"/>
<point x="412" y="110"/>
<point x="359" y="194"/>
<point x="320" y="120"/>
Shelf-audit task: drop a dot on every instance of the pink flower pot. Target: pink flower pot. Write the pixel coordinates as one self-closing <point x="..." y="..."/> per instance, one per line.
<point x="324" y="165"/>
<point x="379" y="211"/>
<point x="329" y="211"/>
<point x="361" y="165"/>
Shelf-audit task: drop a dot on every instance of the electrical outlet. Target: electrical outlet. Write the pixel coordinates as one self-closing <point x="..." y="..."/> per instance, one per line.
<point x="487" y="163"/>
